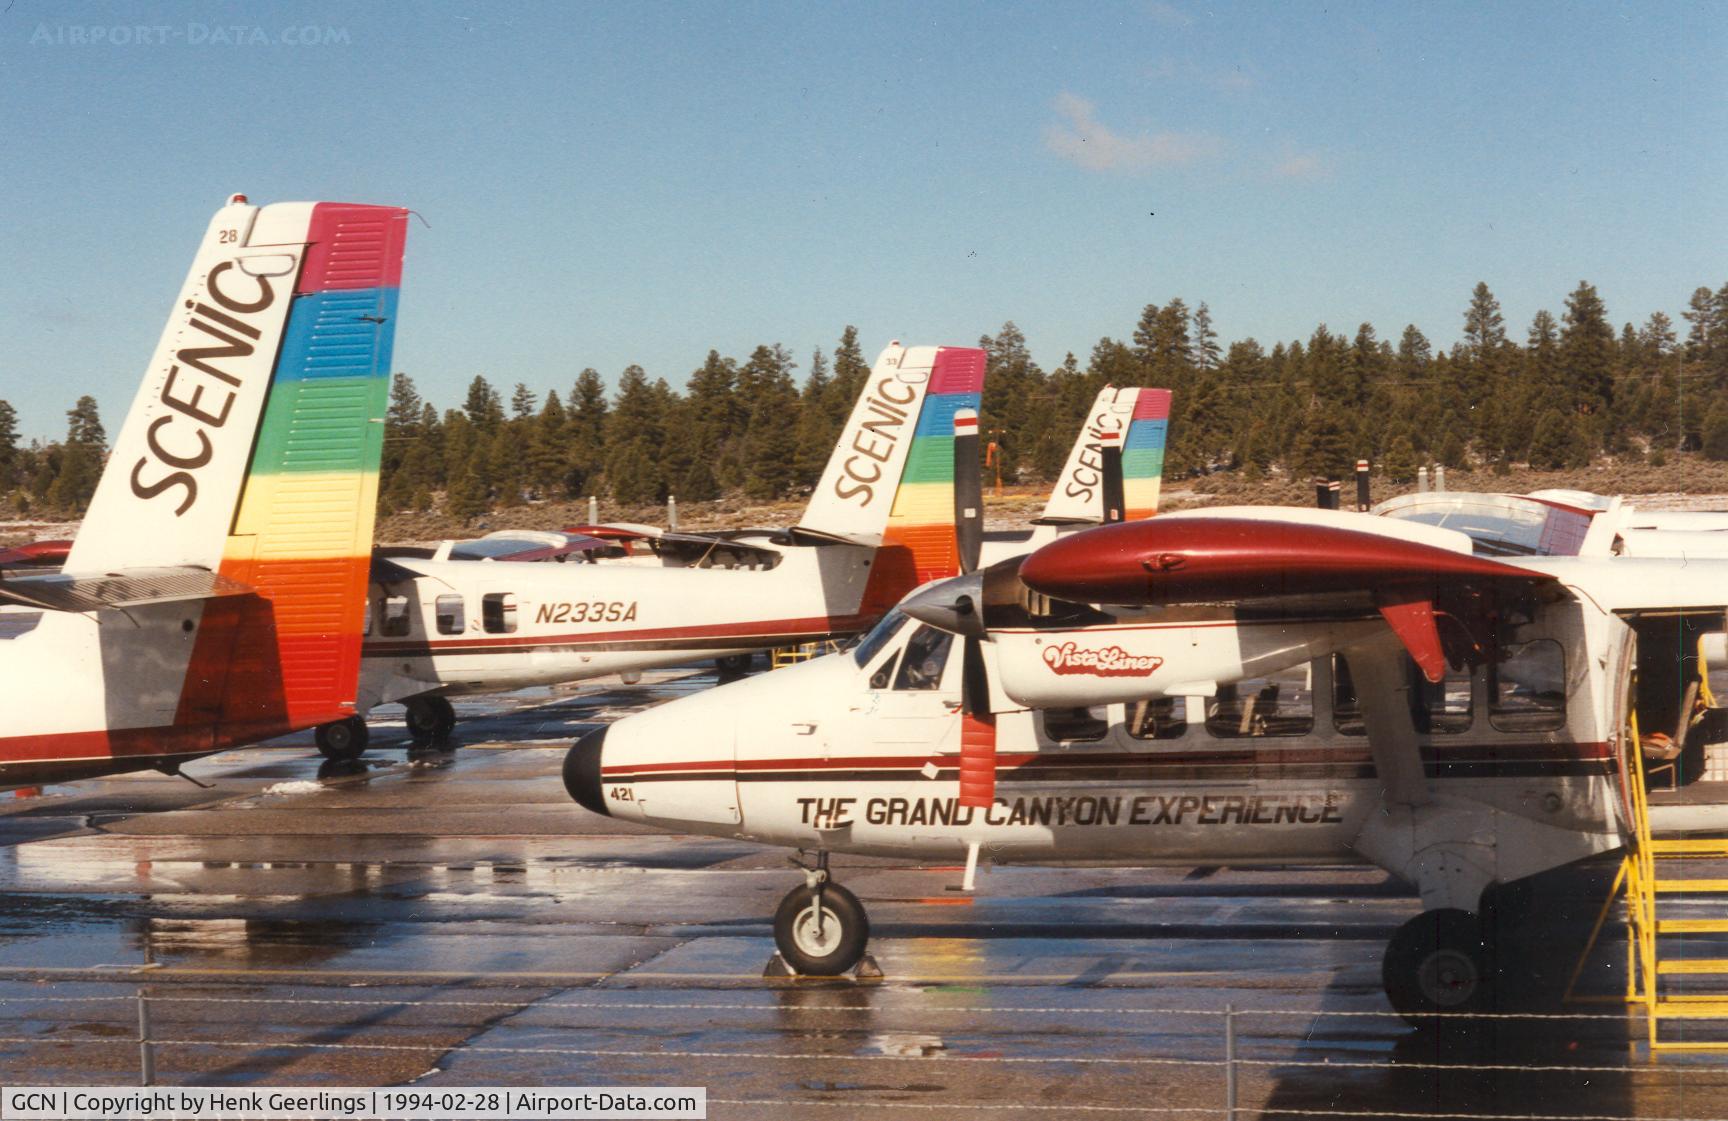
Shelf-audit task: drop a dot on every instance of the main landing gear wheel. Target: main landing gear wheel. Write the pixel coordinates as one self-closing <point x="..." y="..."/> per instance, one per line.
<point x="1439" y="962"/>
<point x="733" y="666"/>
<point x="823" y="942"/>
<point x="342" y="739"/>
<point x="430" y="721"/>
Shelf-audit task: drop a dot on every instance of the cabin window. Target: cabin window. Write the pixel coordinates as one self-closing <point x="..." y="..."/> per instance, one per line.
<point x="1443" y="708"/>
<point x="451" y="618"/>
<point x="498" y="612"/>
<point x="395" y="621"/>
<point x="1528" y="691"/>
<point x="1076" y="725"/>
<point x="1346" y="706"/>
<point x="926" y="656"/>
<point x="1278" y="704"/>
<point x="1158" y="718"/>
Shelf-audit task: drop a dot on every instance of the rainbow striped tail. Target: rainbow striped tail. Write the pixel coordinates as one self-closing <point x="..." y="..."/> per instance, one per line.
<point x="1143" y="453"/>
<point x="918" y="543"/>
<point x="289" y="656"/>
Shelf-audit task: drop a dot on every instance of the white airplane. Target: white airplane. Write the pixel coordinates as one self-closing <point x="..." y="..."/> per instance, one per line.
<point x="1237" y="686"/>
<point x="879" y="523"/>
<point x="213" y="595"/>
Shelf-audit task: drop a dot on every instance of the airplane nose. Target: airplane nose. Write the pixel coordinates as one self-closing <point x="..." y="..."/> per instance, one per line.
<point x="582" y="771"/>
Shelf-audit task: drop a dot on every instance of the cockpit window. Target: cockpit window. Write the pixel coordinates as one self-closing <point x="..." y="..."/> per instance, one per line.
<point x="926" y="656"/>
<point x="877" y="637"/>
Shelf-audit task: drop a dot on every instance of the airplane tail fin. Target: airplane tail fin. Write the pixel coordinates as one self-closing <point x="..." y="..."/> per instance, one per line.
<point x="1139" y="419"/>
<point x="253" y="450"/>
<point x="918" y="540"/>
<point x="1143" y="453"/>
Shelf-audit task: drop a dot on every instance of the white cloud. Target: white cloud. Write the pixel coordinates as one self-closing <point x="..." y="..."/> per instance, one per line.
<point x="1082" y="139"/>
<point x="1305" y="166"/>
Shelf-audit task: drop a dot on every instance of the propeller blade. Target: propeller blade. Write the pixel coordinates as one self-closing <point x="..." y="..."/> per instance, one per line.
<point x="968" y="491"/>
<point x="1115" y="499"/>
<point x="977" y="729"/>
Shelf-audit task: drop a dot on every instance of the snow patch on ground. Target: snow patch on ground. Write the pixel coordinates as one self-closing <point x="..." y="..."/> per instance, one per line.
<point x="298" y="786"/>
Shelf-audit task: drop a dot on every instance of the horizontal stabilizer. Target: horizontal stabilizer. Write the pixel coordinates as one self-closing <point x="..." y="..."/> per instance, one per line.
<point x="134" y="587"/>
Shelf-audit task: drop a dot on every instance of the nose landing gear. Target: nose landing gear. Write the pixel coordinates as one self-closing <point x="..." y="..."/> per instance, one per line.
<point x="820" y="927"/>
<point x="341" y="739"/>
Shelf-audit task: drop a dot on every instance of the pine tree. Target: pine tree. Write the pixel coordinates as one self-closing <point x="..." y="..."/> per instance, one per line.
<point x="522" y="402"/>
<point x="1484" y="326"/>
<point x="851" y="371"/>
<point x="1551" y="443"/>
<point x="1013" y="381"/>
<point x="484" y="408"/>
<point x="818" y="429"/>
<point x="548" y="449"/>
<point x="1206" y="349"/>
<point x="1587" y="348"/>
<point x="770" y="437"/>
<point x="8" y="448"/>
<point x="81" y="458"/>
<point x="718" y="414"/>
<point x="1715" y="435"/>
<point x="633" y="467"/>
<point x="586" y="432"/>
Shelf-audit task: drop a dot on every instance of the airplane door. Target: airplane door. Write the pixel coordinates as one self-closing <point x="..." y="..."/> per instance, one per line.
<point x="1615" y="709"/>
<point x="915" y="697"/>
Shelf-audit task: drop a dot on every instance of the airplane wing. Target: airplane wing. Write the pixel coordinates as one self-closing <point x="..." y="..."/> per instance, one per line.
<point x="1288" y="561"/>
<point x="134" y="587"/>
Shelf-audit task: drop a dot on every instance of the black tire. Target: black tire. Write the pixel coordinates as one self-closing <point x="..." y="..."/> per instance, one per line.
<point x="430" y="721"/>
<point x="845" y="931"/>
<point x="342" y="739"/>
<point x="1439" y="962"/>
<point x="734" y="666"/>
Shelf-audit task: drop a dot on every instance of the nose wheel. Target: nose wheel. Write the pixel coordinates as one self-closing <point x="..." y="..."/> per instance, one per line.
<point x="430" y="721"/>
<point x="1440" y="961"/>
<point x="820" y="928"/>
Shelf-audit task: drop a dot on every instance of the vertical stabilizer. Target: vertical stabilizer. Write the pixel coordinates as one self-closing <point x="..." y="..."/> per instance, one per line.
<point x="168" y="494"/>
<point x="301" y="528"/>
<point x="918" y="542"/>
<point x="1143" y="453"/>
<point x="856" y="493"/>
<point x="1078" y="497"/>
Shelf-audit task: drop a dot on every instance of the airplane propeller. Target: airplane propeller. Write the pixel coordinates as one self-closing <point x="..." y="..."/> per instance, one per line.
<point x="957" y="605"/>
<point x="977" y="722"/>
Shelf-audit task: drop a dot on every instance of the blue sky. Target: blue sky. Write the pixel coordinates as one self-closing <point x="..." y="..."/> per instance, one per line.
<point x="634" y="182"/>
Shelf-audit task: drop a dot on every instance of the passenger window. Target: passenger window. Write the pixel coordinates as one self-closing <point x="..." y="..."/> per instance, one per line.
<point x="1076" y="725"/>
<point x="448" y="608"/>
<point x="926" y="655"/>
<point x="1346" y="707"/>
<point x="1528" y="690"/>
<point x="395" y="623"/>
<point x="1279" y="704"/>
<point x="1159" y="718"/>
<point x="1442" y="709"/>
<point x="498" y="612"/>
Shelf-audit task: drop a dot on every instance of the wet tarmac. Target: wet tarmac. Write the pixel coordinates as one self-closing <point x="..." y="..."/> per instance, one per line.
<point x="454" y="919"/>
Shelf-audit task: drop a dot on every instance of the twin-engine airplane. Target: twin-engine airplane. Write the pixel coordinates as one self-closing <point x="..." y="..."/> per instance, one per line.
<point x="1237" y="686"/>
<point x="214" y="594"/>
<point x="879" y="524"/>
